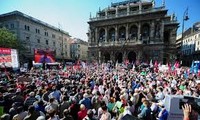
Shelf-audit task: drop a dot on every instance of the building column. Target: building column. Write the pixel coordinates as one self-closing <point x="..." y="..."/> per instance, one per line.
<point x="127" y="32"/>
<point x="106" y="34"/>
<point x="116" y="33"/>
<point x="152" y="30"/>
<point x="162" y="31"/>
<point x="106" y="13"/>
<point x="112" y="56"/>
<point x="99" y="56"/>
<point x="128" y="9"/>
<point x="116" y="11"/>
<point x="139" y="55"/>
<point x="124" y="57"/>
<point x="96" y="36"/>
<point x="140" y="7"/>
<point x="139" y="31"/>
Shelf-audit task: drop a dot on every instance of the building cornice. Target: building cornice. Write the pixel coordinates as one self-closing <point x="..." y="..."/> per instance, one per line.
<point x="20" y="14"/>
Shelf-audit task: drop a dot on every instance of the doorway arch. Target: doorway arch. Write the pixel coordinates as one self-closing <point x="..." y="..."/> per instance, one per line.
<point x="106" y="57"/>
<point x="132" y="57"/>
<point x="119" y="57"/>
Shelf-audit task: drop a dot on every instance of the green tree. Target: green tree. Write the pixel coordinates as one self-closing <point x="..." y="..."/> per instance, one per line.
<point x="8" y="39"/>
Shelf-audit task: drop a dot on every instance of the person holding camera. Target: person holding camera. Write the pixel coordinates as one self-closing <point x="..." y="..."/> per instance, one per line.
<point x="189" y="113"/>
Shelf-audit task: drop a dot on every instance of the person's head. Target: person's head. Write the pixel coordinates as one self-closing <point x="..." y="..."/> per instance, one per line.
<point x="85" y="95"/>
<point x="66" y="112"/>
<point x="19" y="109"/>
<point x="104" y="108"/>
<point x="5" y="117"/>
<point x="41" y="118"/>
<point x="82" y="107"/>
<point x="143" y="99"/>
<point x="112" y="99"/>
<point x="54" y="88"/>
<point x="90" y="113"/>
<point x="31" y="94"/>
<point x="65" y="98"/>
<point x="146" y="103"/>
<point x="31" y="109"/>
<point x="51" y="112"/>
<point x="51" y="100"/>
<point x="160" y="89"/>
<point x="102" y="103"/>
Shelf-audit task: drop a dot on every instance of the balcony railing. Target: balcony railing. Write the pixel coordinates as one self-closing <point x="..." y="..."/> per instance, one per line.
<point x="127" y="14"/>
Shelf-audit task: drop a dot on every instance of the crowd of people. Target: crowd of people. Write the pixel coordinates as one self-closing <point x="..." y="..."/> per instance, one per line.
<point x="95" y="92"/>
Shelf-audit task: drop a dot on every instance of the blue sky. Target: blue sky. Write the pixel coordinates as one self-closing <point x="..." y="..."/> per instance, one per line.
<point x="72" y="15"/>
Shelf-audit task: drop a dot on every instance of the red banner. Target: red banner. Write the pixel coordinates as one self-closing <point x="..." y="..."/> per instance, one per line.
<point x="44" y="56"/>
<point x="5" y="55"/>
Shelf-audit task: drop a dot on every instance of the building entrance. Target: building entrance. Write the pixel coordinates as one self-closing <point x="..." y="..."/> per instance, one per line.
<point x="132" y="56"/>
<point x="118" y="57"/>
<point x="106" y="57"/>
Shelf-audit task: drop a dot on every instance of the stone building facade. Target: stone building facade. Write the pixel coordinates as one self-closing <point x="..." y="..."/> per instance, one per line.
<point x="35" y="34"/>
<point x="79" y="49"/>
<point x="133" y="30"/>
<point x="190" y="48"/>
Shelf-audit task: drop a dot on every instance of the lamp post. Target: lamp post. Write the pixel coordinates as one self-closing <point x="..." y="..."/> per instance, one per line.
<point x="62" y="48"/>
<point x="185" y="18"/>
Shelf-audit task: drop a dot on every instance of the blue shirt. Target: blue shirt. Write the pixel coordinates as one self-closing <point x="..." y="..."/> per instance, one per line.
<point x="164" y="115"/>
<point x="145" y="113"/>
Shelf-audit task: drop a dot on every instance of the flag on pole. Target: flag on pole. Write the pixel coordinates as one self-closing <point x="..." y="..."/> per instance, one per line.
<point x="192" y="67"/>
<point x="151" y="63"/>
<point x="65" y="67"/>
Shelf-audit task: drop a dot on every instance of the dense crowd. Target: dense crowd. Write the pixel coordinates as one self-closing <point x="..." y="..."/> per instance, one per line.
<point x="95" y="92"/>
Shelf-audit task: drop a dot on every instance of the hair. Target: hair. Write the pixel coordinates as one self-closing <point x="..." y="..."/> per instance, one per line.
<point x="51" y="112"/>
<point x="5" y="117"/>
<point x="146" y="103"/>
<point x="82" y="107"/>
<point x="51" y="100"/>
<point x="65" y="98"/>
<point x="104" y="107"/>
<point x="19" y="109"/>
<point x="31" y="109"/>
<point x="66" y="112"/>
<point x="90" y="113"/>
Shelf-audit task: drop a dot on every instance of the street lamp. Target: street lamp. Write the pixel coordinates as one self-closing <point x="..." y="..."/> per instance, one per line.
<point x="185" y="18"/>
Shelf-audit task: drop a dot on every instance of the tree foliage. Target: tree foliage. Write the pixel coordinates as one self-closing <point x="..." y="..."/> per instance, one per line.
<point x="8" y="39"/>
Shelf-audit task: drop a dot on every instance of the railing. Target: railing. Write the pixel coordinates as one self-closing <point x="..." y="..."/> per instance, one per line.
<point x="122" y="41"/>
<point x="170" y="22"/>
<point x="127" y="14"/>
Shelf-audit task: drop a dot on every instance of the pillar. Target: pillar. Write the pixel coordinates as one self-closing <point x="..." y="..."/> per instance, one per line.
<point x="116" y="33"/>
<point x="127" y="32"/>
<point x="128" y="9"/>
<point x="152" y="30"/>
<point x="96" y="35"/>
<point x="112" y="56"/>
<point x="124" y="57"/>
<point x="140" y="7"/>
<point x="139" y="31"/>
<point x="116" y="11"/>
<point x="99" y="57"/>
<point x="162" y="31"/>
<point x="106" y="34"/>
<point x="106" y="14"/>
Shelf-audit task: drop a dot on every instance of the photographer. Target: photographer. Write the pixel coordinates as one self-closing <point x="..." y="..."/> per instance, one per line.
<point x="189" y="113"/>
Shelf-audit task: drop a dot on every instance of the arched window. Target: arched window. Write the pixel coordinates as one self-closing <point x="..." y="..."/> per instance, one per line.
<point x="102" y="35"/>
<point x="145" y="31"/>
<point x="133" y="32"/>
<point x="111" y="34"/>
<point x="122" y="32"/>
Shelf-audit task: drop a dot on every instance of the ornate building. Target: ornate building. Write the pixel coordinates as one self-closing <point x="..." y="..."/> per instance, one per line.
<point x="133" y="30"/>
